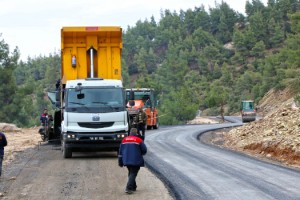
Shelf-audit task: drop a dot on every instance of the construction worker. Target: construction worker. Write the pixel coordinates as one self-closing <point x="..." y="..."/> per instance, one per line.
<point x="132" y="150"/>
<point x="141" y="120"/>
<point x="44" y="118"/>
<point x="3" y="143"/>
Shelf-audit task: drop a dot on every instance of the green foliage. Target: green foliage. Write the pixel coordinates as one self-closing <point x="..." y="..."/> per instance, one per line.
<point x="178" y="107"/>
<point x="217" y="95"/>
<point x="125" y="74"/>
<point x="258" y="50"/>
<point x="183" y="57"/>
<point x="223" y="19"/>
<point x="276" y="34"/>
<point x="258" y="24"/>
<point x="295" y="18"/>
<point x="244" y="41"/>
<point x="23" y="86"/>
<point x="10" y="103"/>
<point x="196" y="58"/>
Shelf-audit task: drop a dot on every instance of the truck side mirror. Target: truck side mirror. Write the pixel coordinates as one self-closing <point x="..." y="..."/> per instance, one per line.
<point x="80" y="96"/>
<point x="57" y="104"/>
<point x="53" y="97"/>
<point x="57" y="95"/>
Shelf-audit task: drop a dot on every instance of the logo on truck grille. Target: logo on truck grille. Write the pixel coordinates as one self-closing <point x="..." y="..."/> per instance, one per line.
<point x="96" y="118"/>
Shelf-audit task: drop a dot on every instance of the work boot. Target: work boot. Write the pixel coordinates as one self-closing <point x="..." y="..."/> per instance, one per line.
<point x="128" y="191"/>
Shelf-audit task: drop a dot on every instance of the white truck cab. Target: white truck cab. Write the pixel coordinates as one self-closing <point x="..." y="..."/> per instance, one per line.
<point x="94" y="115"/>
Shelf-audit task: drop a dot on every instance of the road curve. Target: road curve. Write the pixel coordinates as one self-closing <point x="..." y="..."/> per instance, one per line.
<point x="193" y="170"/>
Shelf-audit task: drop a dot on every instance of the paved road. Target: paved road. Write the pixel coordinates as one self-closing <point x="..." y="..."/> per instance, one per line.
<point x="193" y="170"/>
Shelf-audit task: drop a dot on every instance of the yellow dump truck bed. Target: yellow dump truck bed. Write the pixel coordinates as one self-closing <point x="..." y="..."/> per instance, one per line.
<point x="76" y="45"/>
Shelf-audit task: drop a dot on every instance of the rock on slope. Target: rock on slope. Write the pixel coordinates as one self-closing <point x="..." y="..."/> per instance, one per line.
<point x="276" y="136"/>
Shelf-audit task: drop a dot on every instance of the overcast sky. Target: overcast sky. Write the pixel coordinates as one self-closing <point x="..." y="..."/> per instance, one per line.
<point x="34" y="25"/>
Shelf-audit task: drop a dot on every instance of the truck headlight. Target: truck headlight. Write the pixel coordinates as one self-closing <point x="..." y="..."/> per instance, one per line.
<point x="71" y="136"/>
<point x="120" y="136"/>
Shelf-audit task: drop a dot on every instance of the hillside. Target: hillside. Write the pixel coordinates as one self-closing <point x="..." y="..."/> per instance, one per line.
<point x="275" y="100"/>
<point x="210" y="56"/>
<point x="276" y="136"/>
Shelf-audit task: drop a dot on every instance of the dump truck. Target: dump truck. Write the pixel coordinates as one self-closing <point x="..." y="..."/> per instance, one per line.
<point x="91" y="112"/>
<point x="142" y="97"/>
<point x="248" y="111"/>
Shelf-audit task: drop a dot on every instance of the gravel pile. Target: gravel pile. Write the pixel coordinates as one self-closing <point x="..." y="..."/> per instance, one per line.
<point x="277" y="137"/>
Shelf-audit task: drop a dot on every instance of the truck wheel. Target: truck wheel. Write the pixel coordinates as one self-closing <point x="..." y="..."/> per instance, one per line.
<point x="43" y="137"/>
<point x="67" y="153"/>
<point x="156" y="124"/>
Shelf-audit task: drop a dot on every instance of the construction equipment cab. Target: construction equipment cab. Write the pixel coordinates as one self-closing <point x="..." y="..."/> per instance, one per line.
<point x="248" y="111"/>
<point x="142" y="97"/>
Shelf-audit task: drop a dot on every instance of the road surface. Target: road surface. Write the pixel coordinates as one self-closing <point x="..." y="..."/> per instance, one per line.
<point x="44" y="174"/>
<point x="193" y="170"/>
<point x="189" y="169"/>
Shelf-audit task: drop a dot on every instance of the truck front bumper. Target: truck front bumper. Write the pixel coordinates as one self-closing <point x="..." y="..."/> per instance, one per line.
<point x="88" y="141"/>
<point x="248" y="118"/>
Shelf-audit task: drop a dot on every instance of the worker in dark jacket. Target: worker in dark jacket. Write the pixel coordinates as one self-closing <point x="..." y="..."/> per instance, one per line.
<point x="44" y="118"/>
<point x="131" y="154"/>
<point x="3" y="143"/>
<point x="141" y="121"/>
<point x="44" y="129"/>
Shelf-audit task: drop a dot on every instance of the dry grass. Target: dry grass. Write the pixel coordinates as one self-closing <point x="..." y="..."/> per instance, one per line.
<point x="18" y="141"/>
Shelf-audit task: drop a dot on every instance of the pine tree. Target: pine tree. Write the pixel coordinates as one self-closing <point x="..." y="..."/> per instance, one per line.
<point x="258" y="50"/>
<point x="10" y="105"/>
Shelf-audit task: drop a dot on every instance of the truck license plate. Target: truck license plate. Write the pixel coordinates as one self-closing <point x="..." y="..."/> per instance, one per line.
<point x="96" y="138"/>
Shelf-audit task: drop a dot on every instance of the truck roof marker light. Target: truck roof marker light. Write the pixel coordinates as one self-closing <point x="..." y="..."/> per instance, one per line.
<point x="73" y="61"/>
<point x="91" y="28"/>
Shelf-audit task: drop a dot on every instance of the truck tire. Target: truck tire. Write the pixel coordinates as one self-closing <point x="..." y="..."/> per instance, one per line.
<point x="43" y="137"/>
<point x="156" y="124"/>
<point x="67" y="153"/>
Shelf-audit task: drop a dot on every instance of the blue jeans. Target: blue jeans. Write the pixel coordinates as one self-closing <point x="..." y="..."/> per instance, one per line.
<point x="132" y="174"/>
<point x="1" y="160"/>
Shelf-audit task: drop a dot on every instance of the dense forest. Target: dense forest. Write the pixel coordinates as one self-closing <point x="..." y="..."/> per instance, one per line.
<point x="195" y="59"/>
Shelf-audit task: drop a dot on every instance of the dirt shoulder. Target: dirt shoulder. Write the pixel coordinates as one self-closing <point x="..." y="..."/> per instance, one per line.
<point x="36" y="170"/>
<point x="268" y="152"/>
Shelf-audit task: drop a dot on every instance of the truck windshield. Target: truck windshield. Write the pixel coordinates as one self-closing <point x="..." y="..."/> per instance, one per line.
<point x="138" y="95"/>
<point x="141" y="95"/>
<point x="95" y="100"/>
<point x="247" y="105"/>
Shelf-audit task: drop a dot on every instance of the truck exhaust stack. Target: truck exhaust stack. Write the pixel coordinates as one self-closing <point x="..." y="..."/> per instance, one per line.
<point x="92" y="61"/>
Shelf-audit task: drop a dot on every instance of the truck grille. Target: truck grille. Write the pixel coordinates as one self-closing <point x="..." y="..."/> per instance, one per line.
<point x="95" y="124"/>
